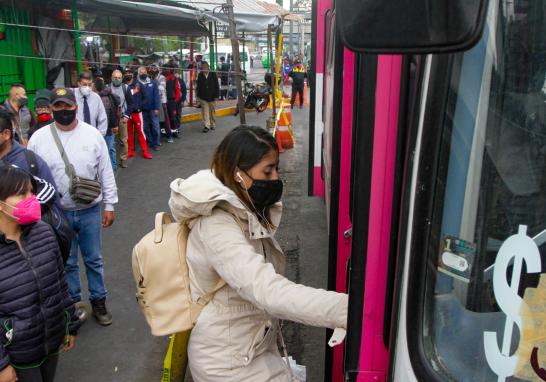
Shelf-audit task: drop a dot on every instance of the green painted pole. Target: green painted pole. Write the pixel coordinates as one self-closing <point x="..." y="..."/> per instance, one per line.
<point x="77" y="36"/>
<point x="212" y="62"/>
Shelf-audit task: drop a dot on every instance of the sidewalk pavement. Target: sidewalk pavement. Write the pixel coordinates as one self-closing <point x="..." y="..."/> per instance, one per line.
<point x="126" y="351"/>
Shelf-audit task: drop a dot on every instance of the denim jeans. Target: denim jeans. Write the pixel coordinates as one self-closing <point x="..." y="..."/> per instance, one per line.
<point x="87" y="226"/>
<point x="111" y="143"/>
<point x="151" y="128"/>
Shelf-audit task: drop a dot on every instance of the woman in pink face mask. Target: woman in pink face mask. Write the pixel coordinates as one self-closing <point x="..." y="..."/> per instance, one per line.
<point x="34" y="333"/>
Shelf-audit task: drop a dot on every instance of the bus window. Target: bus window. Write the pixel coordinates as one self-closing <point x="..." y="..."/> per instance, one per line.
<point x="487" y="257"/>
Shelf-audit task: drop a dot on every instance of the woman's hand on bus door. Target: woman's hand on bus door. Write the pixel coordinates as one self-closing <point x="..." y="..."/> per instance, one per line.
<point x="8" y="374"/>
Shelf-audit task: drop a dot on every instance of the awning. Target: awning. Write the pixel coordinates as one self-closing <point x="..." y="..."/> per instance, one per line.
<point x="140" y="18"/>
<point x="250" y="16"/>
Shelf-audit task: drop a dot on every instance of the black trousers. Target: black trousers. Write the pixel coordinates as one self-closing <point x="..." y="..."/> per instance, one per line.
<point x="43" y="373"/>
<point x="297" y="90"/>
<point x="174" y="117"/>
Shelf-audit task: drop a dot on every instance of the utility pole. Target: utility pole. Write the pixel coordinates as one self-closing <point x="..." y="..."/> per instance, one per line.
<point x="291" y="30"/>
<point x="236" y="60"/>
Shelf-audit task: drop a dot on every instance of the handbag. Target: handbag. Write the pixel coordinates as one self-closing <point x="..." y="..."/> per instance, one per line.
<point x="82" y="190"/>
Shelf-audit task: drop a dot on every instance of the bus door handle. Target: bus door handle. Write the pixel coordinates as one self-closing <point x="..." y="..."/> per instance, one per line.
<point x="348" y="234"/>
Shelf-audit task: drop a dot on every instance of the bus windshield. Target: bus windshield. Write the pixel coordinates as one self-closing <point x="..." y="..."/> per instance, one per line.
<point x="485" y="306"/>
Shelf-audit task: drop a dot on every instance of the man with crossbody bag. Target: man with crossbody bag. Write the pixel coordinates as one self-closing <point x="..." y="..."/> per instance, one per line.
<point x="78" y="158"/>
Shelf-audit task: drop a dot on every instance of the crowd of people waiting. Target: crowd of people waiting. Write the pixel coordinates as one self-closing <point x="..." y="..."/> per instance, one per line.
<point x="57" y="192"/>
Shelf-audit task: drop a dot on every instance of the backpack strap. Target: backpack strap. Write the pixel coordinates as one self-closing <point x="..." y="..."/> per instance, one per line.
<point x="207" y="297"/>
<point x="161" y="218"/>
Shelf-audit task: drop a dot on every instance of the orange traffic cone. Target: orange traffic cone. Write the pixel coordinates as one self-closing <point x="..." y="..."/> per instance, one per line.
<point x="284" y="129"/>
<point x="305" y="98"/>
<point x="278" y="138"/>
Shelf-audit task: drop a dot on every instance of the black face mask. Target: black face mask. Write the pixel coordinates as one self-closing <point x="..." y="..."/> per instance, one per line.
<point x="64" y="117"/>
<point x="265" y="193"/>
<point x="143" y="77"/>
<point x="22" y="102"/>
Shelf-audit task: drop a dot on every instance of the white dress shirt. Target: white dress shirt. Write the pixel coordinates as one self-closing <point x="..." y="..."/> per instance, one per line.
<point x="99" y="119"/>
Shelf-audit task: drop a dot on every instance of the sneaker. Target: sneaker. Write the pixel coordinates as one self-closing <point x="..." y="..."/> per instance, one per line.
<point x="123" y="163"/>
<point x="205" y="129"/>
<point x="146" y="156"/>
<point x="170" y="140"/>
<point x="101" y="314"/>
<point x="155" y="148"/>
<point x="131" y="154"/>
<point x="213" y="127"/>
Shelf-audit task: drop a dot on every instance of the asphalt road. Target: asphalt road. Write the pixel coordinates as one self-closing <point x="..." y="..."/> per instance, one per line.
<point x="126" y="351"/>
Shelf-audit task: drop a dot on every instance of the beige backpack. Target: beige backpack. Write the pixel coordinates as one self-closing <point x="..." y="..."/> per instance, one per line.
<point x="162" y="277"/>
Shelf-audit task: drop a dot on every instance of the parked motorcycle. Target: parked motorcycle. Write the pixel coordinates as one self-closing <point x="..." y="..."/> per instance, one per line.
<point x="257" y="96"/>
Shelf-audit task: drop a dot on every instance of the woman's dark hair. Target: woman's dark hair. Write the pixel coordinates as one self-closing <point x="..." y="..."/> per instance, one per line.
<point x="242" y="148"/>
<point x="13" y="181"/>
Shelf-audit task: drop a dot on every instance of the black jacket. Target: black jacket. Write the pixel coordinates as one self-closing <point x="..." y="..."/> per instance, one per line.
<point x="298" y="76"/>
<point x="208" y="88"/>
<point x="36" y="311"/>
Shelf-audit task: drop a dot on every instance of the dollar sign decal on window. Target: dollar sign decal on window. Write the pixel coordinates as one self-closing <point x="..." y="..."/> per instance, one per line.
<point x="518" y="248"/>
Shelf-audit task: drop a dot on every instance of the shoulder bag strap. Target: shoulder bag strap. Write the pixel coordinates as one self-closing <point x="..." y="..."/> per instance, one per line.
<point x="68" y="168"/>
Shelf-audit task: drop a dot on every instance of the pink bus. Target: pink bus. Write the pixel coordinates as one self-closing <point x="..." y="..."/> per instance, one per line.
<point x="428" y="145"/>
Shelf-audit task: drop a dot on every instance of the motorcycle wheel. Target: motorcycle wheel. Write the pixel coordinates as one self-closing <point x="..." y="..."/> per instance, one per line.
<point x="263" y="106"/>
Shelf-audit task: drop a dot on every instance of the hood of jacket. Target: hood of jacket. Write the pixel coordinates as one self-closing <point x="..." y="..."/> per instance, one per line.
<point x="16" y="154"/>
<point x="105" y="92"/>
<point x="202" y="192"/>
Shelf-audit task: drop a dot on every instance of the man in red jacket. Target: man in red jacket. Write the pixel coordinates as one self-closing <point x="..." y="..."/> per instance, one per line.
<point x="174" y="96"/>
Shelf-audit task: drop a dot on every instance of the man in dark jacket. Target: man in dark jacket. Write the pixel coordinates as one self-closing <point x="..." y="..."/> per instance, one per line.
<point x="112" y="106"/>
<point x="298" y="75"/>
<point x="174" y="97"/>
<point x="17" y="104"/>
<point x="224" y="78"/>
<point x="208" y="91"/>
<point x="150" y="108"/>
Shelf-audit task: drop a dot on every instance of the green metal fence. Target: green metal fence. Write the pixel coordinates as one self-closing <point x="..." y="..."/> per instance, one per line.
<point x="18" y="42"/>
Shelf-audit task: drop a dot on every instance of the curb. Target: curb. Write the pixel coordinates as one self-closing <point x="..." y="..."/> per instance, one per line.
<point x="194" y="117"/>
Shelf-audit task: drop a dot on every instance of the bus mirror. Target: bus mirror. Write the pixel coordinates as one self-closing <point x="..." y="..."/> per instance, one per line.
<point x="410" y="26"/>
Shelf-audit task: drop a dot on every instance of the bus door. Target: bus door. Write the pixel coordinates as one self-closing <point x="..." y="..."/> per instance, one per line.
<point x="336" y="170"/>
<point x="472" y="302"/>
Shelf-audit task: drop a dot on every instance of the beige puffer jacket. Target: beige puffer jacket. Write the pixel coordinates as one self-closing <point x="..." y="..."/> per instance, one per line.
<point x="235" y="335"/>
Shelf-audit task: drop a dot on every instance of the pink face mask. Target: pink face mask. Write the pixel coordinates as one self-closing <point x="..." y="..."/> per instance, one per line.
<point x="27" y="211"/>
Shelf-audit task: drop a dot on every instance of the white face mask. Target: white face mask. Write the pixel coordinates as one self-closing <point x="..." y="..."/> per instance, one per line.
<point x="85" y="90"/>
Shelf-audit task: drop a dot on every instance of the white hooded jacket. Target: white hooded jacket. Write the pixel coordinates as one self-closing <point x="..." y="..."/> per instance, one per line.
<point x="235" y="336"/>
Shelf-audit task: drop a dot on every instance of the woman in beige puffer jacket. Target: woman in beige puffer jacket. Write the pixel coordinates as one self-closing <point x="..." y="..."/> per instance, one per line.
<point x="233" y="221"/>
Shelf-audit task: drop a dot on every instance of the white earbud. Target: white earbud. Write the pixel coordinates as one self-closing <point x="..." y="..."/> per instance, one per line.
<point x="239" y="176"/>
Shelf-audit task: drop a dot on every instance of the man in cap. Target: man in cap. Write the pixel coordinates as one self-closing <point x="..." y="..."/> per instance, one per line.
<point x="87" y="152"/>
<point x="42" y="109"/>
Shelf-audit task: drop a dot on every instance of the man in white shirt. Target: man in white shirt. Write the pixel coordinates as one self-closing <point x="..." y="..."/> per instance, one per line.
<point x="87" y="152"/>
<point x="90" y="107"/>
